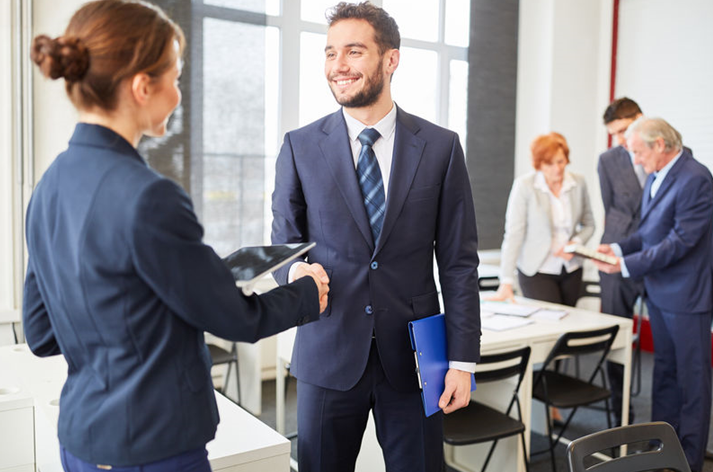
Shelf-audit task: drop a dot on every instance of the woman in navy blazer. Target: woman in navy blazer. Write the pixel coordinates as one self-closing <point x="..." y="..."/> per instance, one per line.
<point x="118" y="278"/>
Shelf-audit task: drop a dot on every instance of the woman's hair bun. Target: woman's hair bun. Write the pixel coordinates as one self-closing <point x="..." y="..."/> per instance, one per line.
<point x="60" y="57"/>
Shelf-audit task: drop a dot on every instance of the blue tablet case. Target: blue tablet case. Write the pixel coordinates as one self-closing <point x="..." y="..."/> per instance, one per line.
<point x="428" y="341"/>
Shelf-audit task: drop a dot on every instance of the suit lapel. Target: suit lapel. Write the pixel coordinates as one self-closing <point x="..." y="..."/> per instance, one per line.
<point x="408" y="150"/>
<point x="668" y="181"/>
<point x="337" y="153"/>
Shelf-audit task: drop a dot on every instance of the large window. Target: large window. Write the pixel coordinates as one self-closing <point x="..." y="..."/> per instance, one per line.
<point x="254" y="71"/>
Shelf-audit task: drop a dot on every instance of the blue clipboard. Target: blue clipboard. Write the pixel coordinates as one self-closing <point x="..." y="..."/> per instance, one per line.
<point x="428" y="341"/>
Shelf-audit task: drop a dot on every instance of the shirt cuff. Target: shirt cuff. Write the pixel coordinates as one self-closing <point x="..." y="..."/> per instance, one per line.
<point x="624" y="270"/>
<point x="617" y="249"/>
<point x="291" y="273"/>
<point x="464" y="366"/>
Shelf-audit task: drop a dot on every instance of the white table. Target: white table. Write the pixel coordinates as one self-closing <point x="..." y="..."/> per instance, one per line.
<point x="32" y="386"/>
<point x="541" y="337"/>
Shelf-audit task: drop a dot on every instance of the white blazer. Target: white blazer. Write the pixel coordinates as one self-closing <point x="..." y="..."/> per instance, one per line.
<point x="529" y="227"/>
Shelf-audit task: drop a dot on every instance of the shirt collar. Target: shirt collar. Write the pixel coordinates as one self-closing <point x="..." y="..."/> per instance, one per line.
<point x="386" y="126"/>
<point x="567" y="183"/>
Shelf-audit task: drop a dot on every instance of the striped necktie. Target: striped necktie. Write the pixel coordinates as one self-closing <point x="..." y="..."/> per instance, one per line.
<point x="370" y="181"/>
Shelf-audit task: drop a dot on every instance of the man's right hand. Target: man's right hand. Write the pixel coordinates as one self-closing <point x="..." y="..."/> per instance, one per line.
<point x="317" y="272"/>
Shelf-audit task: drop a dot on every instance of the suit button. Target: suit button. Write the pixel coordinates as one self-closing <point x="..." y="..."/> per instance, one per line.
<point x="374" y="265"/>
<point x="369" y="310"/>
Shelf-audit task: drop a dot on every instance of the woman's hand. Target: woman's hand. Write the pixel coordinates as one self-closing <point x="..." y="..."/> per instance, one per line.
<point x="504" y="293"/>
<point x="567" y="256"/>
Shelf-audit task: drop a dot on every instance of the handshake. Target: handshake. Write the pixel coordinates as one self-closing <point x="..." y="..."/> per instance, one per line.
<point x="317" y="272"/>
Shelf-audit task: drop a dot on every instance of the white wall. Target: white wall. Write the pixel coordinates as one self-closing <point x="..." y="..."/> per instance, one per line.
<point x="665" y="63"/>
<point x="54" y="115"/>
<point x="7" y="160"/>
<point x="563" y="82"/>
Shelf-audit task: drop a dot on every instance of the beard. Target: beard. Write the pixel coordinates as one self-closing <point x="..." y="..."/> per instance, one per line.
<point x="368" y="95"/>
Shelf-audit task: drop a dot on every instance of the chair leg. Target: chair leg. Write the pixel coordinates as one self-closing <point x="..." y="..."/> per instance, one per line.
<point x="549" y="437"/>
<point x="237" y="382"/>
<point x="490" y="454"/>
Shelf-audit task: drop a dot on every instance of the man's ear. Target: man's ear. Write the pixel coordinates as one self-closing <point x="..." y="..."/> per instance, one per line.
<point x="141" y="88"/>
<point x="392" y="57"/>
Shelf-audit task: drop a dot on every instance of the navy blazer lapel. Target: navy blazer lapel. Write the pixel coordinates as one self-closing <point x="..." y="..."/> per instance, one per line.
<point x="408" y="149"/>
<point x="668" y="181"/>
<point x="337" y="152"/>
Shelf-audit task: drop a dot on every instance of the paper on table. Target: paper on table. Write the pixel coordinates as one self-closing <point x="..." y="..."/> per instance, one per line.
<point x="511" y="309"/>
<point x="545" y="314"/>
<point x="495" y="322"/>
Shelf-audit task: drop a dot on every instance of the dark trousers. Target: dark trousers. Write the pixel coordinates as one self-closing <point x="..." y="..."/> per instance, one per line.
<point x="331" y="424"/>
<point x="191" y="461"/>
<point x="563" y="288"/>
<point x="618" y="298"/>
<point x="681" y="390"/>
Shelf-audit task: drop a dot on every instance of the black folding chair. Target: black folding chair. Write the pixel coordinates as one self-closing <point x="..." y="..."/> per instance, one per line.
<point x="661" y="450"/>
<point x="479" y="423"/>
<point x="564" y="391"/>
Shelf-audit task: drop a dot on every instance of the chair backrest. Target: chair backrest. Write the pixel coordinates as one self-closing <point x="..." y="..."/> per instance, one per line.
<point x="506" y="370"/>
<point x="668" y="454"/>
<point x="582" y="342"/>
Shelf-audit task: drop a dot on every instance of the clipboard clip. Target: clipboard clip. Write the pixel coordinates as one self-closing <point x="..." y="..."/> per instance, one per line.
<point x="418" y="371"/>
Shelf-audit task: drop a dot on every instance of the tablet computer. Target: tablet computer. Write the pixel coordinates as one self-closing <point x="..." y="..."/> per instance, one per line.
<point x="248" y="264"/>
<point x="584" y="251"/>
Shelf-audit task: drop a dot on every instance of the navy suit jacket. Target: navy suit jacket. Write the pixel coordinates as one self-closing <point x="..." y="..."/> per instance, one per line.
<point x="672" y="247"/>
<point x="379" y="289"/>
<point x="621" y="194"/>
<point x="120" y="283"/>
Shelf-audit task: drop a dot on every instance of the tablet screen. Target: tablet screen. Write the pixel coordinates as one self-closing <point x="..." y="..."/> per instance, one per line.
<point x="248" y="263"/>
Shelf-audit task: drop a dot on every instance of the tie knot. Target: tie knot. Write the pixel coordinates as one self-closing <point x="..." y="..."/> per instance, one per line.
<point x="368" y="137"/>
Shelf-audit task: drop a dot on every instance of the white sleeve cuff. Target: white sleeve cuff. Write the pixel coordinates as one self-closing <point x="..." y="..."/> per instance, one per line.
<point x="291" y="273"/>
<point x="464" y="366"/>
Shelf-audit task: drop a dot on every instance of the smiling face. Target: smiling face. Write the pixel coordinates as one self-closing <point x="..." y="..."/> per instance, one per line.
<point x="357" y="72"/>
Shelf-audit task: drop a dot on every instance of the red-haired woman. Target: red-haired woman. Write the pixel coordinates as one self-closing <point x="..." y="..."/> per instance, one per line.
<point x="118" y="279"/>
<point x="547" y="209"/>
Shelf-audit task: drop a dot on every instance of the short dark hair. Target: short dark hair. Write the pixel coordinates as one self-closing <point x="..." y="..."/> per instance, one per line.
<point x="386" y="31"/>
<point x="621" y="108"/>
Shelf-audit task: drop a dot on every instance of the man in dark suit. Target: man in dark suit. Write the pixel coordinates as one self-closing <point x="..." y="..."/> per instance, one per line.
<point x="376" y="233"/>
<point x="672" y="251"/>
<point x="621" y="182"/>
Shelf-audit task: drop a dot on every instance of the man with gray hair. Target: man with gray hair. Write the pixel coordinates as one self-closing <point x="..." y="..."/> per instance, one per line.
<point x="671" y="251"/>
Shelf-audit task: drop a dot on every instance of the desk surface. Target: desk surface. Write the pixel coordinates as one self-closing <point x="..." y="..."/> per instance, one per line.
<point x="240" y="439"/>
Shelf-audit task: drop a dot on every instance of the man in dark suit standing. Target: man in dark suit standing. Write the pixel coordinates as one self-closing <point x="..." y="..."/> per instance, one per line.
<point x="379" y="190"/>
<point x="621" y="182"/>
<point x="672" y="251"/>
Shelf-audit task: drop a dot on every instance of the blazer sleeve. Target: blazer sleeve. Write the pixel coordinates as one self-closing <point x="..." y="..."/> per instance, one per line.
<point x="456" y="250"/>
<point x="289" y="208"/>
<point x="190" y="278"/>
<point x="515" y="230"/>
<point x="35" y="319"/>
<point x="586" y="221"/>
<point x="605" y="184"/>
<point x="692" y="218"/>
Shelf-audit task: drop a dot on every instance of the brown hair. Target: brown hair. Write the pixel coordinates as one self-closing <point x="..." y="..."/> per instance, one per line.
<point x="386" y="31"/>
<point x="106" y="42"/>
<point x="620" y="109"/>
<point x="545" y="146"/>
